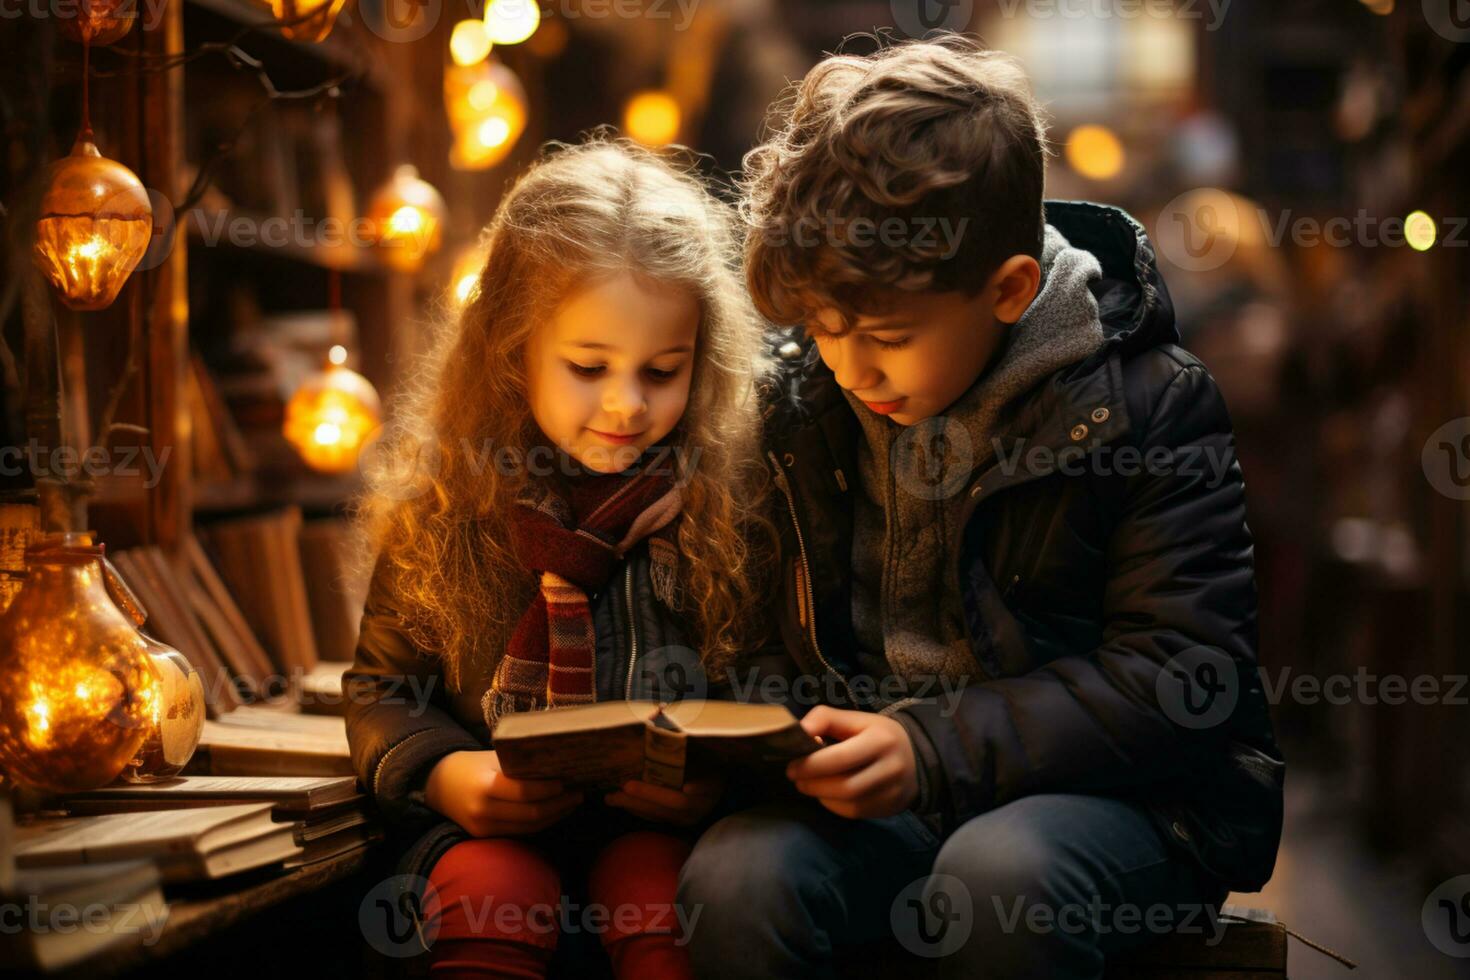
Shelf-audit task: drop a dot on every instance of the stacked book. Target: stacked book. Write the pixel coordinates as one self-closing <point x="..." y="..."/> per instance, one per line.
<point x="254" y="740"/>
<point x="306" y="818"/>
<point x="122" y="900"/>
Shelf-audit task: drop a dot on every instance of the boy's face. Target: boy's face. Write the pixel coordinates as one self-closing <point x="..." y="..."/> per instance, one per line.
<point x="915" y="359"/>
<point x="608" y="375"/>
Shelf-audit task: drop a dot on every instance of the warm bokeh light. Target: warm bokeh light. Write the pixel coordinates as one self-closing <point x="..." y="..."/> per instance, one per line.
<point x="313" y="28"/>
<point x="407" y="214"/>
<point x="95" y="224"/>
<point x="487" y="110"/>
<point x="466" y="274"/>
<point x="511" y="21"/>
<point x="330" y="417"/>
<point x="652" y="118"/>
<point x="1380" y="7"/>
<point x="1095" y="152"/>
<point x="469" y="44"/>
<point x="1419" y="231"/>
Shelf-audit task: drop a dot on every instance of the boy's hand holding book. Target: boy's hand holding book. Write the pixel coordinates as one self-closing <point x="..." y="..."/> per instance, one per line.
<point x="869" y="771"/>
<point x="470" y="789"/>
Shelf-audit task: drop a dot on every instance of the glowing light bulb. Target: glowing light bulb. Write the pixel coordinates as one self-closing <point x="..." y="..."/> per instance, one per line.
<point x="469" y="42"/>
<point x="1419" y="231"/>
<point x="1095" y="152"/>
<point x="652" y="118"/>
<point x="511" y="21"/>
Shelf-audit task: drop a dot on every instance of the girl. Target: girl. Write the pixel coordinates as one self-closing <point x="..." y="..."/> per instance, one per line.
<point x="574" y="504"/>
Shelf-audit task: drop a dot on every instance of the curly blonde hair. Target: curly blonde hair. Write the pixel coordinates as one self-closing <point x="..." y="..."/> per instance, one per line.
<point x="438" y="517"/>
<point x="914" y="134"/>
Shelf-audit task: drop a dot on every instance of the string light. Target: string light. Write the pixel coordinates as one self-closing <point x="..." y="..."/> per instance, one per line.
<point x="469" y="43"/>
<point x="1095" y="152"/>
<point x="511" y="21"/>
<point x="407" y="214"/>
<point x="652" y="118"/>
<point x="487" y="110"/>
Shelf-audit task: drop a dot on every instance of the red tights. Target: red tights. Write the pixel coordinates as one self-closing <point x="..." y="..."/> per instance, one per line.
<point x="498" y="903"/>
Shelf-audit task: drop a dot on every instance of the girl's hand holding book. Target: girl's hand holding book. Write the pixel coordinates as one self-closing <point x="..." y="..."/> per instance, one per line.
<point x="470" y="789"/>
<point x="684" y="807"/>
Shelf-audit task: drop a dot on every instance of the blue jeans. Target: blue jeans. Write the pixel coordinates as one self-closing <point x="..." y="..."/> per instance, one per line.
<point x="1046" y="886"/>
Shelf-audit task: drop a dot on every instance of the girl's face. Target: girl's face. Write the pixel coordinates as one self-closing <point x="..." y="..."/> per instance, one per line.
<point x="608" y="374"/>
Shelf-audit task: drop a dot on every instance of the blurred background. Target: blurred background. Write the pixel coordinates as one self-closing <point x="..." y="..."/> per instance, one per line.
<point x="1303" y="168"/>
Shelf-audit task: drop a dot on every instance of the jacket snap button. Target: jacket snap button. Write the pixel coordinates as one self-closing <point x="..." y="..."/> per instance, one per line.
<point x="789" y="351"/>
<point x="789" y="460"/>
<point x="1100" y="415"/>
<point x="1079" y="432"/>
<point x="1180" y="831"/>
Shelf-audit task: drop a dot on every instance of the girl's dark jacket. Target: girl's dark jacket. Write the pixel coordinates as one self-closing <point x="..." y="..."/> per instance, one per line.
<point x="1093" y="586"/>
<point x="402" y="717"/>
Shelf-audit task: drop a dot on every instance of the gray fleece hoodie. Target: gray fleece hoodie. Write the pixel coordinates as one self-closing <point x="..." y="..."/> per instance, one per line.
<point x="906" y="602"/>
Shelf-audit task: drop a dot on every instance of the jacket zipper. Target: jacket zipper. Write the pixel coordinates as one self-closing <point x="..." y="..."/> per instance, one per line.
<point x="383" y="759"/>
<point x="811" y="605"/>
<point x="632" y="631"/>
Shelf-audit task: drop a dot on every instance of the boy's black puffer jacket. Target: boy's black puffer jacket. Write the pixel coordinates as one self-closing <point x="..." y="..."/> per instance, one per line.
<point x="1082" y="585"/>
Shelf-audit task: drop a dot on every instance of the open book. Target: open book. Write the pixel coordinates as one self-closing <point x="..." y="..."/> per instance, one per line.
<point x="665" y="745"/>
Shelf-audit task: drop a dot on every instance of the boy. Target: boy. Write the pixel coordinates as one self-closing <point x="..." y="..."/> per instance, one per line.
<point x="1011" y="495"/>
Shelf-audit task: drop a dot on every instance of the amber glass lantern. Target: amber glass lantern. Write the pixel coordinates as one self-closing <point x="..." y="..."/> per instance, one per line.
<point x="176" y="718"/>
<point x="487" y="109"/>
<point x="76" y="678"/>
<point x="95" y="225"/>
<point x="407" y="215"/>
<point x="331" y="415"/>
<point x="320" y="16"/>
<point x="175" y="708"/>
<point x="98" y="22"/>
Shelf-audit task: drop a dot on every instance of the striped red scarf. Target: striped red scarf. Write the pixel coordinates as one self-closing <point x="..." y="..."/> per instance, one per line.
<point x="572" y="542"/>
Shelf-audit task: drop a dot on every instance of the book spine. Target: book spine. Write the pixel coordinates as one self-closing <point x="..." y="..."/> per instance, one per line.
<point x="664" y="754"/>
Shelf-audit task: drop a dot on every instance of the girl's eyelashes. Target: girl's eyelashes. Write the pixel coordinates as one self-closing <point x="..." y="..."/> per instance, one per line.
<point x="597" y="370"/>
<point x="899" y="344"/>
<point x="662" y="374"/>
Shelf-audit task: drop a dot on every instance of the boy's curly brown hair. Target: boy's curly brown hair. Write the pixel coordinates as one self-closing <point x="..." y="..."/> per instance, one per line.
<point x="918" y="167"/>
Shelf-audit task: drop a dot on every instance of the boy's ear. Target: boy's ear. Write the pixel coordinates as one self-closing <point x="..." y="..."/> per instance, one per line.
<point x="1013" y="286"/>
